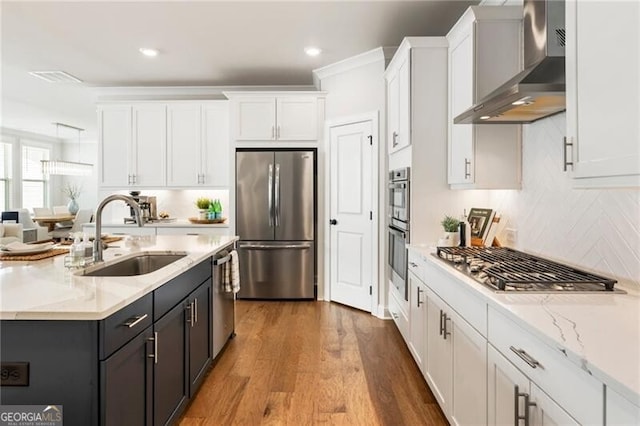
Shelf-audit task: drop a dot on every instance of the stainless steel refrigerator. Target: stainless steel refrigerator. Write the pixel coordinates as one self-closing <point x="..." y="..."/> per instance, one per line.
<point x="276" y="223"/>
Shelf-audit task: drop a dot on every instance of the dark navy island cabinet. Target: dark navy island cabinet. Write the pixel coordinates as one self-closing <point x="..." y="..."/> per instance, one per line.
<point x="139" y="366"/>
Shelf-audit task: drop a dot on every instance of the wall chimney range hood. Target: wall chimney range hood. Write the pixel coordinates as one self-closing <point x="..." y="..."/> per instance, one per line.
<point x="539" y="90"/>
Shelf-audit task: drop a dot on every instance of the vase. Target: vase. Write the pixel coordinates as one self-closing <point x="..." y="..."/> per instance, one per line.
<point x="202" y="214"/>
<point x="73" y="206"/>
<point x="450" y="239"/>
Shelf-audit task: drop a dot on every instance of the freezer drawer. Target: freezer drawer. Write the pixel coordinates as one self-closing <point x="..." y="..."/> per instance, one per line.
<point x="276" y="270"/>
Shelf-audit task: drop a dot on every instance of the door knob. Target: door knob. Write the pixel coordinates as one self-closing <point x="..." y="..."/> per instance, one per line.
<point x="333" y="222"/>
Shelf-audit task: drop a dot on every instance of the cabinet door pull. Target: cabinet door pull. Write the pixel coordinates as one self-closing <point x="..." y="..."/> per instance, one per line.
<point x="395" y="139"/>
<point x="467" y="168"/>
<point x="154" y="339"/>
<point x="445" y="332"/>
<point x="413" y="264"/>
<point x="189" y="308"/>
<point x="273" y="132"/>
<point x="565" y="144"/>
<point x="441" y="322"/>
<point x="527" y="405"/>
<point x="533" y="363"/>
<point x="278" y="132"/>
<point x="195" y="310"/>
<point x="131" y="322"/>
<point x="419" y="302"/>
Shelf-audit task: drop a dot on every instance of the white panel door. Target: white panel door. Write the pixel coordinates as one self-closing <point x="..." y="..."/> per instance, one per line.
<point x="255" y="118"/>
<point x="418" y="320"/>
<point x="503" y="381"/>
<point x="404" y="104"/>
<point x="547" y="412"/>
<point x="351" y="250"/>
<point x="150" y="144"/>
<point x="469" y="402"/>
<point x="393" y="112"/>
<point x="183" y="145"/>
<point x="439" y="369"/>
<point x="297" y="118"/>
<point x="114" y="129"/>
<point x="215" y="144"/>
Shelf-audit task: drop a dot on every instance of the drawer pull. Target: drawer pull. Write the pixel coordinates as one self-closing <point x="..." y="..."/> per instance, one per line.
<point x="533" y="363"/>
<point x="195" y="310"/>
<point x="154" y="355"/>
<point x="131" y="322"/>
<point x="527" y="405"/>
<point x="413" y="265"/>
<point x="419" y="302"/>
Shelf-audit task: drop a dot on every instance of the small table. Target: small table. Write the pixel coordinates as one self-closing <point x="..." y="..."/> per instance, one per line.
<point x="50" y="221"/>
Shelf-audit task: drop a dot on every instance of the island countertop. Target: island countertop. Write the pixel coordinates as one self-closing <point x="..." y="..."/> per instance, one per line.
<point x="46" y="290"/>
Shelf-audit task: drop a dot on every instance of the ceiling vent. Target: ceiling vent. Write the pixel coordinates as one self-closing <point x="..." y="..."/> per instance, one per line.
<point x="55" y="76"/>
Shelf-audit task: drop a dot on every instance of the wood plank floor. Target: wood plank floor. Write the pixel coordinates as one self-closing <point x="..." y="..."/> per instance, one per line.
<point x="307" y="363"/>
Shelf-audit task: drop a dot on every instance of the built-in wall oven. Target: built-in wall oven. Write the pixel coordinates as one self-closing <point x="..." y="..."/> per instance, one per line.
<point x="399" y="186"/>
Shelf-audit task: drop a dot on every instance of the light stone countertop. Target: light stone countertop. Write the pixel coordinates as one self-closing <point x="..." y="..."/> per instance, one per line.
<point x="46" y="290"/>
<point x="178" y="223"/>
<point x="600" y="333"/>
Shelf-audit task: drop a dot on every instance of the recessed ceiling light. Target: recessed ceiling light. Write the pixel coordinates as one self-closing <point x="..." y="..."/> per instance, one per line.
<point x="312" y="51"/>
<point x="146" y="51"/>
<point x="485" y="117"/>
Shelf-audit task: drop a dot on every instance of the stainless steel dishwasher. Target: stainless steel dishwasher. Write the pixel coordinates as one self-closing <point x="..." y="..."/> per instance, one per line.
<point x="223" y="304"/>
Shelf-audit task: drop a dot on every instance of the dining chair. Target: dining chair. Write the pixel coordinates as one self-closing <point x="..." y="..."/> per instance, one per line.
<point x="42" y="211"/>
<point x="42" y="233"/>
<point x="83" y="216"/>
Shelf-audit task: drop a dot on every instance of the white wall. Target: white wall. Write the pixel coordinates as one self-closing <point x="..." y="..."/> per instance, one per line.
<point x="593" y="229"/>
<point x="85" y="151"/>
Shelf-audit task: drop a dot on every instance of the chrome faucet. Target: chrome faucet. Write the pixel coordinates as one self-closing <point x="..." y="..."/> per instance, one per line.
<point x="97" y="243"/>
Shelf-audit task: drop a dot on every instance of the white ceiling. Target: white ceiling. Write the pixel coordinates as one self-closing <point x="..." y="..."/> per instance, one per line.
<point x="202" y="43"/>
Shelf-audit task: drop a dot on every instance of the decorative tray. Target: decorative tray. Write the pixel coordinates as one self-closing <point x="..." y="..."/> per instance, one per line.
<point x="206" y="221"/>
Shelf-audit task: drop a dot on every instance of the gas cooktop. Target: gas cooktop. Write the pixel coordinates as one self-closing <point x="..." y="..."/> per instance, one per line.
<point x="506" y="270"/>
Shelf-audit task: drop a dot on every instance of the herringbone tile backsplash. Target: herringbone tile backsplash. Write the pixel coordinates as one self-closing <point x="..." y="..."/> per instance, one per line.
<point x="594" y="229"/>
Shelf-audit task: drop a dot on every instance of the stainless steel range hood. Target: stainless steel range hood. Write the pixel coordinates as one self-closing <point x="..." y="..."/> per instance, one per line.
<point x="539" y="90"/>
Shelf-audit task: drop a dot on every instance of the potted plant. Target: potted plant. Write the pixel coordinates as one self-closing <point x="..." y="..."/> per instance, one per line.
<point x="203" y="204"/>
<point x="72" y="191"/>
<point x="450" y="225"/>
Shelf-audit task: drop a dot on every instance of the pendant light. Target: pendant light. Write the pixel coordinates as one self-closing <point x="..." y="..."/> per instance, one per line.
<point x="69" y="168"/>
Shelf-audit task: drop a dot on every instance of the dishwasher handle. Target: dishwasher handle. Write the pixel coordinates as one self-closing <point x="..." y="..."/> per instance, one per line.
<point x="221" y="260"/>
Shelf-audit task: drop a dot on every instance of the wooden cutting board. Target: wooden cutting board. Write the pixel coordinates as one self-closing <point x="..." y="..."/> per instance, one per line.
<point x="206" y="221"/>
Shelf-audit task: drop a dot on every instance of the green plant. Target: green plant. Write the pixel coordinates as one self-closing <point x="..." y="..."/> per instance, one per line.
<point x="203" y="203"/>
<point x="450" y="224"/>
<point x="71" y="190"/>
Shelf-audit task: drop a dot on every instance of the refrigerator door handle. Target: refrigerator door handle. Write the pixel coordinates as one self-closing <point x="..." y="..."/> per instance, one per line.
<point x="277" y="190"/>
<point x="300" y="246"/>
<point x="270" y="194"/>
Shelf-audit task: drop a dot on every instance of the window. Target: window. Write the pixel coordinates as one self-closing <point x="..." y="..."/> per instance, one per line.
<point x="5" y="175"/>
<point x="34" y="183"/>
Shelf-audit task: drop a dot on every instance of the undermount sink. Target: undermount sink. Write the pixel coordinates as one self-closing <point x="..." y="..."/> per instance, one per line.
<point x="141" y="264"/>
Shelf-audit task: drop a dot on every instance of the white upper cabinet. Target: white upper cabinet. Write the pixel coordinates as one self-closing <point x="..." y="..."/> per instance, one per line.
<point x="114" y="132"/>
<point x="484" y="52"/>
<point x="603" y="92"/>
<point x="132" y="145"/>
<point x="282" y="117"/>
<point x="198" y="144"/>
<point x="164" y="144"/>
<point x="398" y="78"/>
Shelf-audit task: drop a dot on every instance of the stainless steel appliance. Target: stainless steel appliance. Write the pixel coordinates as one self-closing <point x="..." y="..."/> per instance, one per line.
<point x="539" y="90"/>
<point x="148" y="207"/>
<point x="506" y="270"/>
<point x="399" y="215"/>
<point x="223" y="304"/>
<point x="276" y="221"/>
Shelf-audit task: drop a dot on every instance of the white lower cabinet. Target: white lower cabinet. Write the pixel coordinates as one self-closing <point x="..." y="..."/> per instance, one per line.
<point x="620" y="411"/>
<point x="418" y="320"/>
<point x="509" y="388"/>
<point x="398" y="312"/>
<point x="456" y="363"/>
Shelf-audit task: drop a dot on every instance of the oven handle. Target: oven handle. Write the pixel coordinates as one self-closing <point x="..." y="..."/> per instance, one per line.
<point x="398" y="232"/>
<point x="398" y="185"/>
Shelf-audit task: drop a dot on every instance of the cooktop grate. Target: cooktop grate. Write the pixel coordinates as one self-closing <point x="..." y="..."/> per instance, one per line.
<point x="509" y="269"/>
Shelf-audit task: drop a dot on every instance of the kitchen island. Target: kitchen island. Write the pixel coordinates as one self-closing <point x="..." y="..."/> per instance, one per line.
<point x="110" y="350"/>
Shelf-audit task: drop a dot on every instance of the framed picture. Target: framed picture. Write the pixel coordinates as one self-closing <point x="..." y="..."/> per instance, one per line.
<point x="480" y="221"/>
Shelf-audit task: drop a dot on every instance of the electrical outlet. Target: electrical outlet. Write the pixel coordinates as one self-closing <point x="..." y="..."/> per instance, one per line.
<point x="511" y="235"/>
